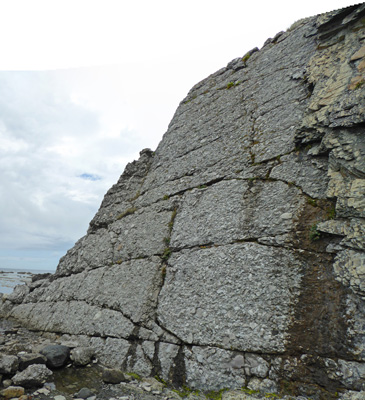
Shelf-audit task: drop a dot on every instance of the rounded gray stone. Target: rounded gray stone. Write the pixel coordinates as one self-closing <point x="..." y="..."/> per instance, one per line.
<point x="84" y="393"/>
<point x="57" y="355"/>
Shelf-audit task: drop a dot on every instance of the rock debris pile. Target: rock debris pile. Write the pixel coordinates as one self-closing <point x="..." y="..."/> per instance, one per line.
<point x="233" y="256"/>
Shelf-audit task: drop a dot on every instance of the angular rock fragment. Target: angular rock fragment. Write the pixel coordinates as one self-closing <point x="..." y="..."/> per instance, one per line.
<point x="33" y="376"/>
<point x="27" y="359"/>
<point x="8" y="364"/>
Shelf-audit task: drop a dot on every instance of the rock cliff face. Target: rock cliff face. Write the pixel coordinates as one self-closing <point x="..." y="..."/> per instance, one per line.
<point x="234" y="254"/>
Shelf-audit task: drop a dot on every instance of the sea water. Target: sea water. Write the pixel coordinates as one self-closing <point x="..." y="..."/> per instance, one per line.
<point x="10" y="277"/>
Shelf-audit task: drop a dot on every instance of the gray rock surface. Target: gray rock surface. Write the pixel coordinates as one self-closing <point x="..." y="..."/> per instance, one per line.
<point x="110" y="375"/>
<point x="84" y="393"/>
<point x="56" y="355"/>
<point x="233" y="255"/>
<point x="8" y="364"/>
<point x="27" y="359"/>
<point x="82" y="355"/>
<point x="33" y="376"/>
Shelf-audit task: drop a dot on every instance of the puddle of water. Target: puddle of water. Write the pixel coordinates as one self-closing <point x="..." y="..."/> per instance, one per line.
<point x="71" y="380"/>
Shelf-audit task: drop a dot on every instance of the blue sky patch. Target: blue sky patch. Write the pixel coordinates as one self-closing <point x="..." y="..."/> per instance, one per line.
<point x="90" y="177"/>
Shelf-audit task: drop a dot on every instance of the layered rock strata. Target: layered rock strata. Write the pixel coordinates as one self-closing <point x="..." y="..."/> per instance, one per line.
<point x="234" y="254"/>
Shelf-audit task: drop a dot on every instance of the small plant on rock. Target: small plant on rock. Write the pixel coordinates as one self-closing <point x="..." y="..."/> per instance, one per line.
<point x="166" y="254"/>
<point x="360" y="84"/>
<point x="312" y="202"/>
<point x="314" y="234"/>
<point x="246" y="57"/>
<point x="331" y="213"/>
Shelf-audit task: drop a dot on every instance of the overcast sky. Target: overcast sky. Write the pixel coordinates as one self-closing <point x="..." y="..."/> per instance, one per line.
<point x="85" y="85"/>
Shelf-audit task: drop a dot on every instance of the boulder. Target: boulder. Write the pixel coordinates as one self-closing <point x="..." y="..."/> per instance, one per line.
<point x="33" y="376"/>
<point x="26" y="359"/>
<point x="113" y="376"/>
<point x="56" y="355"/>
<point x="8" y="364"/>
<point x="19" y="293"/>
<point x="84" y="393"/>
<point x="12" y="392"/>
<point x="81" y="355"/>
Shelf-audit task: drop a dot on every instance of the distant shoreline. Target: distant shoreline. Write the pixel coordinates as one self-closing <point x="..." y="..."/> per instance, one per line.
<point x="11" y="277"/>
<point x="26" y="271"/>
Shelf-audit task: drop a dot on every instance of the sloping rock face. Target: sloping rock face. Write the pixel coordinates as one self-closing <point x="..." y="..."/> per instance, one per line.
<point x="234" y="254"/>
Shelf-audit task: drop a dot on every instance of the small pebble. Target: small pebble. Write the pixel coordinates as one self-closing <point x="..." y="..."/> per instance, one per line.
<point x="59" y="397"/>
<point x="42" y="391"/>
<point x="85" y="393"/>
<point x="50" y="386"/>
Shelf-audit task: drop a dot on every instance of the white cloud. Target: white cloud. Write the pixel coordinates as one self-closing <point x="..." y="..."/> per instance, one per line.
<point x="48" y="143"/>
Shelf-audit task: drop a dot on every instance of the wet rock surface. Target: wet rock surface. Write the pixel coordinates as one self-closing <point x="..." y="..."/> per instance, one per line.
<point x="233" y="255"/>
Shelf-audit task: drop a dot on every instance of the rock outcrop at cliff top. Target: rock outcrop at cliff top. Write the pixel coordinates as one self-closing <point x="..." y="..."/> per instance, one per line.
<point x="234" y="254"/>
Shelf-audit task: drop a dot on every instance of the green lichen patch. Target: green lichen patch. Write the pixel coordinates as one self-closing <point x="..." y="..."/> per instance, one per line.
<point x="249" y="391"/>
<point x="134" y="376"/>
<point x="272" y="396"/>
<point x="215" y="395"/>
<point x="159" y="379"/>
<point x="185" y="391"/>
<point x="135" y="197"/>
<point x="129" y="211"/>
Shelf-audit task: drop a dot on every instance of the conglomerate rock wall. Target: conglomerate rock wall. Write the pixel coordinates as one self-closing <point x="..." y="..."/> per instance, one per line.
<point x="234" y="254"/>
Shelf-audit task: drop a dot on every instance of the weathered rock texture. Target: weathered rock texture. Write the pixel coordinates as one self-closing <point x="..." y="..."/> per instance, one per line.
<point x="234" y="254"/>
